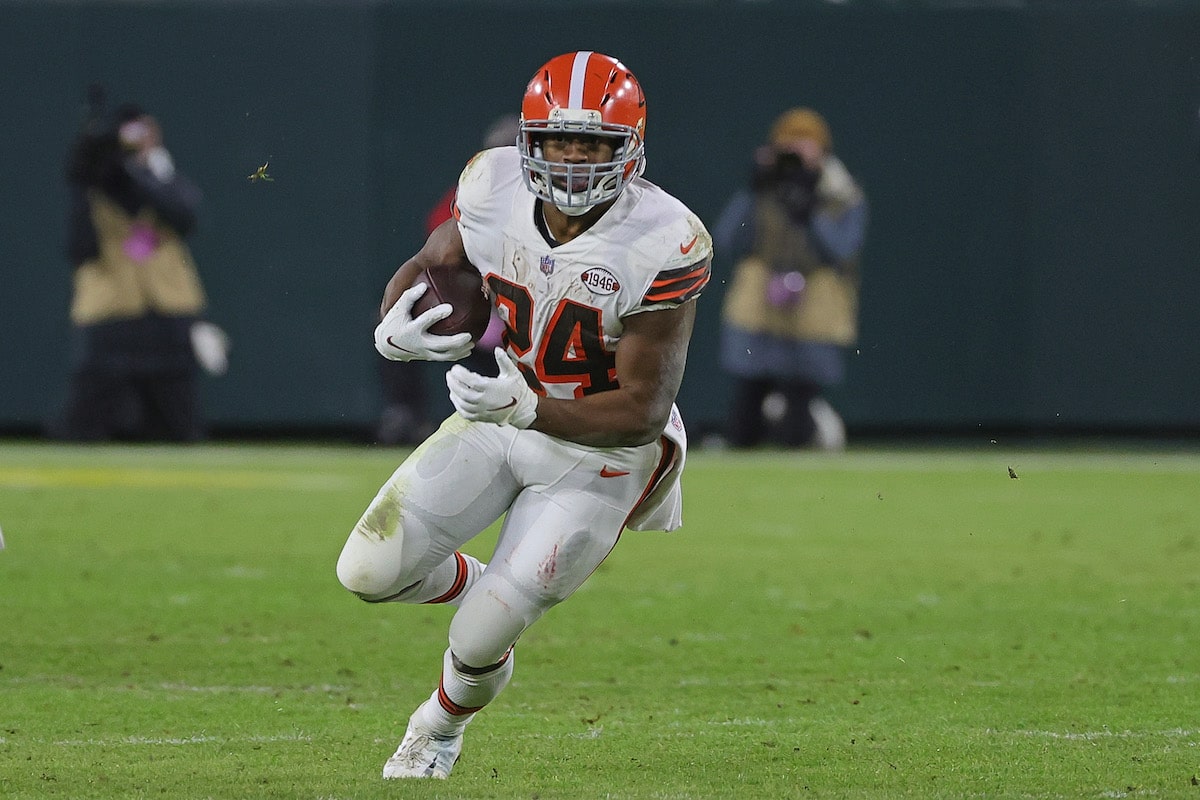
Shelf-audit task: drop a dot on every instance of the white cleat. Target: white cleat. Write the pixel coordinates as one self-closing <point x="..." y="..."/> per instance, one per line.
<point x="422" y="755"/>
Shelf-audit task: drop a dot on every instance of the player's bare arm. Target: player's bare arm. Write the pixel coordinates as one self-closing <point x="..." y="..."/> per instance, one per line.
<point x="443" y="246"/>
<point x="650" y="362"/>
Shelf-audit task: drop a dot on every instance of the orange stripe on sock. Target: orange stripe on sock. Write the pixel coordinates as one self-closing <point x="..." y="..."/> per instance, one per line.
<point x="460" y="581"/>
<point x="450" y="706"/>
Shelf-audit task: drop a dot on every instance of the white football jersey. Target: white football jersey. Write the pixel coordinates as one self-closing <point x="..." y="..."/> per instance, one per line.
<point x="564" y="305"/>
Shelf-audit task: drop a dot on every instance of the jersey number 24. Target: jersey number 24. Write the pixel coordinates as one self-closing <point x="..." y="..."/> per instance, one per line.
<point x="572" y="346"/>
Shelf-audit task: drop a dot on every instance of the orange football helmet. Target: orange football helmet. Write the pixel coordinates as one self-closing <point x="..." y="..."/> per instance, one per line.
<point x="585" y="93"/>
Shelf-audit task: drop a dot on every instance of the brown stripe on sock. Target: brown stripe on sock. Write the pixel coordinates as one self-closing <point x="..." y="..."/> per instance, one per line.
<point x="450" y="706"/>
<point x="460" y="581"/>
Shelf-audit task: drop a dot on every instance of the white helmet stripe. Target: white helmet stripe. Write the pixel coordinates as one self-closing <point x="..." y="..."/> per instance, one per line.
<point x="578" y="71"/>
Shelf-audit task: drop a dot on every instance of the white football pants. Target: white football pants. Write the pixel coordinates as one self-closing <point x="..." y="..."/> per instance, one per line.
<point x="565" y="506"/>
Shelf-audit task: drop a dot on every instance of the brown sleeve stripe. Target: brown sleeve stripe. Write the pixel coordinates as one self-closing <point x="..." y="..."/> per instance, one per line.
<point x="678" y="285"/>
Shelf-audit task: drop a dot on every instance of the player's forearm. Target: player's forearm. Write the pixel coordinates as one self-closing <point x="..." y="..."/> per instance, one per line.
<point x="611" y="419"/>
<point x="443" y="245"/>
<point x="650" y="364"/>
<point x="401" y="280"/>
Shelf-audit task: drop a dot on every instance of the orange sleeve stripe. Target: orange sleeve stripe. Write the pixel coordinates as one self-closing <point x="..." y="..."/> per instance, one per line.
<point x="661" y="281"/>
<point x="677" y="292"/>
<point x="679" y="285"/>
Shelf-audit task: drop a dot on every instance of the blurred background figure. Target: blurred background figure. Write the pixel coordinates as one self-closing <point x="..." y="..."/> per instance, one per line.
<point x="794" y="238"/>
<point x="405" y="419"/>
<point x="139" y="339"/>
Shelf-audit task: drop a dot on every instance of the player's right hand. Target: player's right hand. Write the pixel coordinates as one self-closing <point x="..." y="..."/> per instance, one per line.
<point x="505" y="399"/>
<point x="399" y="337"/>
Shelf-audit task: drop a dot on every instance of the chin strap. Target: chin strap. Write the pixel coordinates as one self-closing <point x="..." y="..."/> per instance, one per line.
<point x="574" y="211"/>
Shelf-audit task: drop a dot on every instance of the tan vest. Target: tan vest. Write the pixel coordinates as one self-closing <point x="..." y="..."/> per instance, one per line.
<point x="113" y="286"/>
<point x="827" y="310"/>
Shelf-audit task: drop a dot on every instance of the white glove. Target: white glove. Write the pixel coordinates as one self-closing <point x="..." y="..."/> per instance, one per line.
<point x="401" y="338"/>
<point x="211" y="346"/>
<point x="504" y="400"/>
<point x="160" y="163"/>
<point x="836" y="185"/>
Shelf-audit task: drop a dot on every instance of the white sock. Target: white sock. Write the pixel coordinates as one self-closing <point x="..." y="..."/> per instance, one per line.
<point x="447" y="583"/>
<point x="460" y="695"/>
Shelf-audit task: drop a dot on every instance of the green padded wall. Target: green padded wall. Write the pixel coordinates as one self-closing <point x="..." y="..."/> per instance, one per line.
<point x="1034" y="178"/>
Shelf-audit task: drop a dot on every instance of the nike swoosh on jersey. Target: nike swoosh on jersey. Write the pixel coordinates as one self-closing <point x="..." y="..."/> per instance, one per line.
<point x="687" y="248"/>
<point x="605" y="472"/>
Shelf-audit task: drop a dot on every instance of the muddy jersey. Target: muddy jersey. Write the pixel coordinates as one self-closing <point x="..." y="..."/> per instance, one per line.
<point x="565" y="305"/>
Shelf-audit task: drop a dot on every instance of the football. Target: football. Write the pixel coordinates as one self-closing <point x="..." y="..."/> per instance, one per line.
<point x="460" y="285"/>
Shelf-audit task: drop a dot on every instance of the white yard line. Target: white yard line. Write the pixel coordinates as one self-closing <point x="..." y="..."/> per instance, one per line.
<point x="72" y="682"/>
<point x="130" y="477"/>
<point x="177" y="740"/>
<point x="1087" y="736"/>
<point x="924" y="461"/>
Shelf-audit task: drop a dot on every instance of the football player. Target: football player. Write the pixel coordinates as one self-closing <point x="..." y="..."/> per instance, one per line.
<point x="595" y="272"/>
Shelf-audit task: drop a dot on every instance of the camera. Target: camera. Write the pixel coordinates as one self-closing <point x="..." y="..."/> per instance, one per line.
<point x="784" y="175"/>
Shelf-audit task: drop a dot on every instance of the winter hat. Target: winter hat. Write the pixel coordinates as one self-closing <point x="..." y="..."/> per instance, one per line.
<point x="801" y="123"/>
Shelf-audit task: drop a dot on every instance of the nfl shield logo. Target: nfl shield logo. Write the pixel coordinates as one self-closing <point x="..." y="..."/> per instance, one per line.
<point x="547" y="265"/>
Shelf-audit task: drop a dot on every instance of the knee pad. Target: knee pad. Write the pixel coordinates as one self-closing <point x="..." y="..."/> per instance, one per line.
<point x="491" y="619"/>
<point x="358" y="574"/>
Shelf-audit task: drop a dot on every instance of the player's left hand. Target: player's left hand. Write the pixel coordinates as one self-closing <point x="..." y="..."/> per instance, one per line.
<point x="504" y="400"/>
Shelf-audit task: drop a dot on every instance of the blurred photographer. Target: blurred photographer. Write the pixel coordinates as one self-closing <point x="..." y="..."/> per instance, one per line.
<point x="794" y="237"/>
<point x="137" y="301"/>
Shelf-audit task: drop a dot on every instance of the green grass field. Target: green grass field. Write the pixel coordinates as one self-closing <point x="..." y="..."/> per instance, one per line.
<point x="885" y="623"/>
